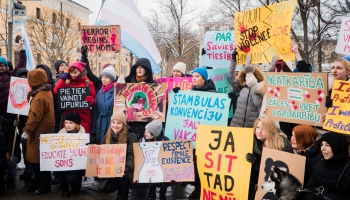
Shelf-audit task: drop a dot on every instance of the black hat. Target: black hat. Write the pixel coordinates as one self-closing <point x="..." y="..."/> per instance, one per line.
<point x="10" y="65"/>
<point x="58" y="63"/>
<point x="338" y="142"/>
<point x="74" y="117"/>
<point x="21" y="71"/>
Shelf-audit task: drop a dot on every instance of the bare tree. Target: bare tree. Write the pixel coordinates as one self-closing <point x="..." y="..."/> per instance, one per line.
<point x="4" y="24"/>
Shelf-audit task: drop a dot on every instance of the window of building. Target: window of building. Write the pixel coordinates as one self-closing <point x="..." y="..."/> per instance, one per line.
<point x="67" y="23"/>
<point x="206" y="29"/>
<point x="217" y="28"/>
<point x="38" y="13"/>
<point x="38" y="58"/>
<point x="79" y="26"/>
<point x="54" y="18"/>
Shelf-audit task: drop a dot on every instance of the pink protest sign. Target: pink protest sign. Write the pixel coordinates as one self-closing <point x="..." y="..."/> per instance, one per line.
<point x="101" y="38"/>
<point x="184" y="83"/>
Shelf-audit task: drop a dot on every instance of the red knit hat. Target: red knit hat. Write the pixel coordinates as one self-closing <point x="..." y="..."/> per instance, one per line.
<point x="79" y="65"/>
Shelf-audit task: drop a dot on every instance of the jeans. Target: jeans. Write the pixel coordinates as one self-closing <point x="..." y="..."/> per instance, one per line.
<point x="12" y="168"/>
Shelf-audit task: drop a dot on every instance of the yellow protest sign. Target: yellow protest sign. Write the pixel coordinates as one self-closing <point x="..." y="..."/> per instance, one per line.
<point x="223" y="170"/>
<point x="264" y="31"/>
<point x="337" y="118"/>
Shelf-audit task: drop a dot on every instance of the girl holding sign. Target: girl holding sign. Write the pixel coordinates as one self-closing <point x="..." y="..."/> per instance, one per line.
<point x="119" y="133"/>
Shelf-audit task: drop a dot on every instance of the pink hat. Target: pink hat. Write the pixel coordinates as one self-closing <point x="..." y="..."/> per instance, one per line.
<point x="79" y="65"/>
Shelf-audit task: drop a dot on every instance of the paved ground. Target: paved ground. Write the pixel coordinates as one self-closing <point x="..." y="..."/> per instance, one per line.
<point x="90" y="191"/>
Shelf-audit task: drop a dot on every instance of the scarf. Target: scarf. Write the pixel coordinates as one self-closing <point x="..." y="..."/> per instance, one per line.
<point x="141" y="79"/>
<point x="106" y="88"/>
<point x="36" y="89"/>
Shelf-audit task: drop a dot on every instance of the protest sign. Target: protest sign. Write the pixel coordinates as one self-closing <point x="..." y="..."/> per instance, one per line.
<point x="73" y="98"/>
<point x="17" y="101"/>
<point x="219" y="46"/>
<point x="106" y="160"/>
<point x="223" y="169"/>
<point x="265" y="31"/>
<point x="184" y="83"/>
<point x="101" y="38"/>
<point x="287" y="162"/>
<point x="163" y="161"/>
<point x="337" y="118"/>
<point x="63" y="152"/>
<point x="343" y="44"/>
<point x="296" y="97"/>
<point x="188" y="109"/>
<point x="142" y="102"/>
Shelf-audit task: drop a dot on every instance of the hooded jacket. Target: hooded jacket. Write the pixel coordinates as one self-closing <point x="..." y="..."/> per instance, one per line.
<point x="144" y="62"/>
<point x="250" y="90"/>
<point x="208" y="86"/>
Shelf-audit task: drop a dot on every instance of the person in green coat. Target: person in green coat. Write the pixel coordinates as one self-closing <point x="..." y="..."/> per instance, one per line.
<point x="119" y="133"/>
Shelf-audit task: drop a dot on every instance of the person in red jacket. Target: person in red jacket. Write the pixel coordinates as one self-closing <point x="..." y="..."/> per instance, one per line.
<point x="75" y="77"/>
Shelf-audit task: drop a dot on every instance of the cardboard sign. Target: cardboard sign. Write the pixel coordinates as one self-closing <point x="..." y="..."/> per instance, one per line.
<point x="296" y="97"/>
<point x="219" y="46"/>
<point x="73" y="98"/>
<point x="101" y="38"/>
<point x="105" y="161"/>
<point x="188" y="109"/>
<point x="337" y="118"/>
<point x="223" y="169"/>
<point x="264" y="32"/>
<point x="184" y="83"/>
<point x="343" y="45"/>
<point x="63" y="152"/>
<point x="291" y="163"/>
<point x="17" y="101"/>
<point x="142" y="102"/>
<point x="163" y="161"/>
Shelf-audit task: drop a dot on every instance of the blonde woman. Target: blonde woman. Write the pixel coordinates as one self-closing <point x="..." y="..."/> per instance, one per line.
<point x="266" y="135"/>
<point x="119" y="133"/>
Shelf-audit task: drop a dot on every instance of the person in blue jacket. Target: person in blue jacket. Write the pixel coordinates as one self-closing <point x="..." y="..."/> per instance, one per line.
<point x="103" y="108"/>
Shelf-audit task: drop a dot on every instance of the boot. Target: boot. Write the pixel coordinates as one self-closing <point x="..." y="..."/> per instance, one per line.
<point x="162" y="192"/>
<point x="35" y="184"/>
<point x="152" y="193"/>
<point x="45" y="183"/>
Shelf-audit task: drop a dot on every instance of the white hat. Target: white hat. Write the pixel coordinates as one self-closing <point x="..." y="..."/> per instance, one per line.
<point x="181" y="67"/>
<point x="109" y="72"/>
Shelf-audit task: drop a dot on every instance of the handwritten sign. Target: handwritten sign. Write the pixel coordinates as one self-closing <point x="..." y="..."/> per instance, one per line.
<point x="73" y="98"/>
<point x="107" y="160"/>
<point x="287" y="162"/>
<point x="296" y="97"/>
<point x="17" y="101"/>
<point x="142" y="102"/>
<point x="63" y="152"/>
<point x="219" y="46"/>
<point x="188" y="109"/>
<point x="337" y="118"/>
<point x="184" y="83"/>
<point x="163" y="161"/>
<point x="265" y="31"/>
<point x="343" y="45"/>
<point x="223" y="170"/>
<point x="101" y="38"/>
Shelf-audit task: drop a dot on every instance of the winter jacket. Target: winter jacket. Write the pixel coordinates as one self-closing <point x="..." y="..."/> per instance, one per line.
<point x="102" y="112"/>
<point x="81" y="130"/>
<point x="5" y="80"/>
<point x="208" y="86"/>
<point x="249" y="99"/>
<point x="131" y="139"/>
<point x="9" y="132"/>
<point x="3" y="161"/>
<point x="85" y="113"/>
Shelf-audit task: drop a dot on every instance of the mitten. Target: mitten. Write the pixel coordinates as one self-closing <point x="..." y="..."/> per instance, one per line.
<point x="234" y="54"/>
<point x="16" y="123"/>
<point x="250" y="79"/>
<point x="232" y="95"/>
<point x="176" y="89"/>
<point x="127" y="171"/>
<point x="329" y="102"/>
<point x="84" y="50"/>
<point x="249" y="69"/>
<point x="65" y="75"/>
<point x="203" y="51"/>
<point x="250" y="158"/>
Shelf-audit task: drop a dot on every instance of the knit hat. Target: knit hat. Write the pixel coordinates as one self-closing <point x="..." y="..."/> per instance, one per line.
<point x="202" y="71"/>
<point x="337" y="141"/>
<point x="155" y="127"/>
<point x="120" y="116"/>
<point x="58" y="63"/>
<point x="74" y="117"/>
<point x="347" y="58"/>
<point x="108" y="64"/>
<point x="3" y="60"/>
<point x="79" y="65"/>
<point x="21" y="71"/>
<point x="109" y="72"/>
<point x="181" y="67"/>
<point x="280" y="65"/>
<point x="36" y="77"/>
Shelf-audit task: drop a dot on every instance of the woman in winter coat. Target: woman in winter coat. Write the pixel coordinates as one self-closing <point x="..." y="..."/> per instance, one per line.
<point x="72" y="177"/>
<point x="141" y="72"/>
<point x="41" y="120"/>
<point x="266" y="135"/>
<point x="77" y="78"/>
<point x="303" y="142"/>
<point x="327" y="172"/>
<point x="103" y="108"/>
<point x="119" y="133"/>
<point x="249" y="85"/>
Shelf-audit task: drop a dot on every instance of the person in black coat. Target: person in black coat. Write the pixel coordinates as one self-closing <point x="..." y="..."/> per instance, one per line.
<point x="327" y="172"/>
<point x="3" y="161"/>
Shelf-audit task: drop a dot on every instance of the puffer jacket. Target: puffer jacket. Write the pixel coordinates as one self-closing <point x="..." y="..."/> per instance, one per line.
<point x="249" y="99"/>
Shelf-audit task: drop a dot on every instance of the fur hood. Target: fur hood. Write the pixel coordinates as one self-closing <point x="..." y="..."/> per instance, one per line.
<point x="258" y="74"/>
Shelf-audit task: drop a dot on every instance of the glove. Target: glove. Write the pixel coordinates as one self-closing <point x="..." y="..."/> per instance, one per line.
<point x="329" y="102"/>
<point x="176" y="89"/>
<point x="232" y="95"/>
<point x="249" y="69"/>
<point x="8" y="157"/>
<point x="24" y="137"/>
<point x="250" y="158"/>
<point x="84" y="50"/>
<point x="234" y="54"/>
<point x="127" y="171"/>
<point x="16" y="123"/>
<point x="65" y="75"/>
<point x="203" y="51"/>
